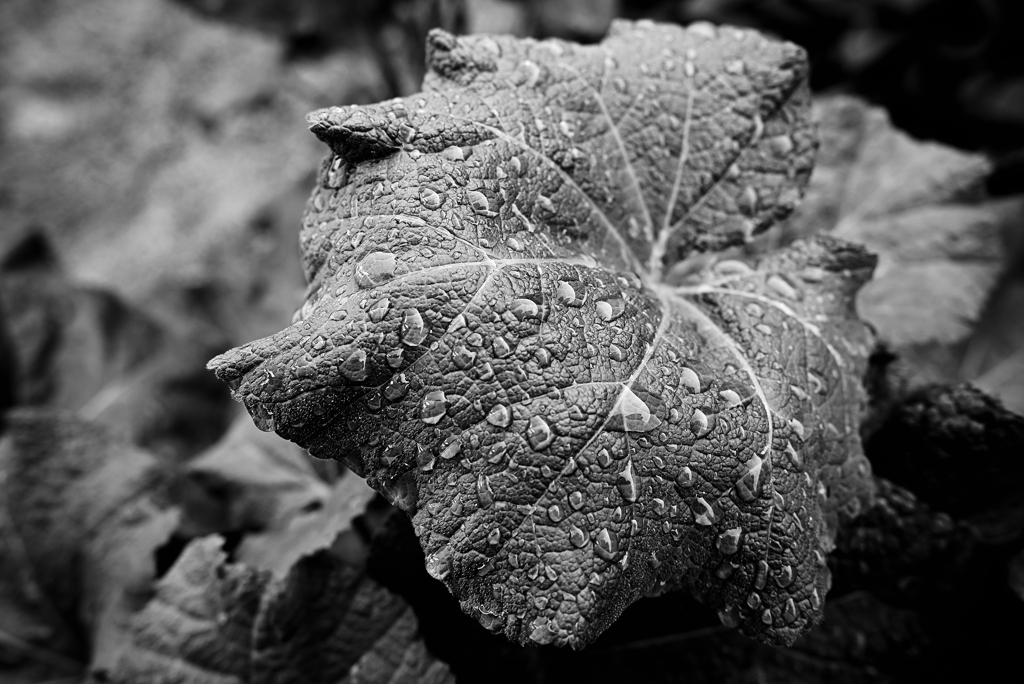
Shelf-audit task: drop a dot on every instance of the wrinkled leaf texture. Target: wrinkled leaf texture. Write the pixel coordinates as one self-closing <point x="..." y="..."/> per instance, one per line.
<point x="489" y="340"/>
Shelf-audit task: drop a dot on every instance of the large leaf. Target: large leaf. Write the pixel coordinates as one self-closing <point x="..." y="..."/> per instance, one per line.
<point x="490" y="341"/>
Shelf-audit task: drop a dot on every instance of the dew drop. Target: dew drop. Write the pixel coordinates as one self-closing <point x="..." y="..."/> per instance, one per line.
<point x="414" y="330"/>
<point x="754" y="601"/>
<point x="731" y="398"/>
<point x="610" y="309"/>
<point x="394" y="358"/>
<point x="761" y="578"/>
<point x="451" y="447"/>
<point x="604" y="458"/>
<point x="494" y="536"/>
<point x="785" y="576"/>
<point x="748" y="487"/>
<point x="262" y="416"/>
<point x="607" y="544"/>
<point x="685" y="477"/>
<point x="500" y="347"/>
<point x="539" y="433"/>
<point x="555" y="513"/>
<point x="781" y="287"/>
<point x="439" y="564"/>
<point x="699" y="424"/>
<point x="434" y="407"/>
<point x="356" y="367"/>
<point x="478" y="202"/>
<point x="780" y="145"/>
<point x="375" y="268"/>
<point x="690" y="380"/>
<point x="729" y="541"/>
<point x="524" y="308"/>
<point x="736" y="67"/>
<point x="747" y="202"/>
<point x="396" y="388"/>
<point x="379" y="310"/>
<point x="463" y="357"/>
<point x="499" y="416"/>
<point x="626" y="482"/>
<point x="789" y="613"/>
<point x="576" y="500"/>
<point x="514" y="244"/>
<point x="766" y="617"/>
<point x="703" y="513"/>
<point x="632" y="414"/>
<point x="430" y="197"/>
<point x="577" y="536"/>
<point x="571" y="293"/>
<point x="616" y="353"/>
<point x="484" y="493"/>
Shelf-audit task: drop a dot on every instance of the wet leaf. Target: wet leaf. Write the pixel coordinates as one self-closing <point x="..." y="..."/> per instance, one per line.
<point x="491" y="340"/>
<point x="215" y="621"/>
<point x="921" y="206"/>
<point x="81" y="515"/>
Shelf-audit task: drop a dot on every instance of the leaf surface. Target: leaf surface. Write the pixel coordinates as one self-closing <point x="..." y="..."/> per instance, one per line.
<point x="489" y="337"/>
<point x="212" y="621"/>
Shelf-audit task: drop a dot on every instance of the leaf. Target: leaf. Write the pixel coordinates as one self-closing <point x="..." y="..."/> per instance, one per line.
<point x="215" y="621"/>
<point x="920" y="206"/>
<point x="248" y="481"/>
<point x="81" y="514"/>
<point x="490" y="340"/>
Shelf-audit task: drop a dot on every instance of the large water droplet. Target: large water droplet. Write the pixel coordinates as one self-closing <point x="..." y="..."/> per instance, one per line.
<point x="451" y="447"/>
<point x="731" y="398"/>
<point x="499" y="416"/>
<point x="690" y="380"/>
<point x="699" y="424"/>
<point x="571" y="293"/>
<point x="632" y="414"/>
<point x="434" y="407"/>
<point x="262" y="416"/>
<point x="375" y="268"/>
<point x="761" y="578"/>
<point x="790" y="613"/>
<point x="479" y="203"/>
<point x="749" y="487"/>
<point x="484" y="493"/>
<point x="356" y="367"/>
<point x="626" y="483"/>
<point x="778" y="285"/>
<point x="539" y="433"/>
<point x="524" y="308"/>
<point x="424" y="458"/>
<point x="541" y="632"/>
<point x="685" y="477"/>
<point x="604" y="458"/>
<point x="396" y="388"/>
<point x="785" y="576"/>
<point x="616" y="353"/>
<point x="500" y="347"/>
<point x="394" y="357"/>
<point x="729" y="541"/>
<point x="379" y="310"/>
<point x="607" y="544"/>
<point x="439" y="564"/>
<point x="494" y="536"/>
<point x="576" y="500"/>
<point x="577" y="536"/>
<point x="747" y="201"/>
<point x="402" y="492"/>
<point x="610" y="309"/>
<point x="555" y="513"/>
<point x="430" y="198"/>
<point x="703" y="513"/>
<point x="463" y="357"/>
<point x="414" y="329"/>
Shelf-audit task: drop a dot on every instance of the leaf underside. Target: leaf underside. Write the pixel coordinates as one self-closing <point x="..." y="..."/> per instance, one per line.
<point x="488" y="337"/>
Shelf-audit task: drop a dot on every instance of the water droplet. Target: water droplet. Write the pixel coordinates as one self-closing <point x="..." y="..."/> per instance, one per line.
<point x="632" y="414"/>
<point x="761" y="578"/>
<point x="607" y="544"/>
<point x="430" y="197"/>
<point x="499" y="416"/>
<point x="729" y="541"/>
<point x="356" y="367"/>
<point x="626" y="483"/>
<point x="514" y="244"/>
<point x="494" y="536"/>
<point x="379" y="310"/>
<point x="766" y="617"/>
<point x="615" y="353"/>
<point x="434" y="407"/>
<point x="789" y="613"/>
<point x="414" y="329"/>
<point x="699" y="424"/>
<point x="484" y="493"/>
<point x="576" y="500"/>
<point x="685" y="477"/>
<point x="500" y="347"/>
<point x="610" y="309"/>
<point x="577" y="536"/>
<point x="262" y="416"/>
<point x="703" y="513"/>
<point x="736" y="67"/>
<point x="439" y="564"/>
<point x="402" y="492"/>
<point x="731" y="398"/>
<point x="396" y="388"/>
<point x="747" y="201"/>
<point x="797" y="427"/>
<point x="478" y="202"/>
<point x="394" y="358"/>
<point x="780" y="145"/>
<point x="516" y="166"/>
<point x="571" y="293"/>
<point x="690" y="380"/>
<point x="785" y="576"/>
<point x="729" y="617"/>
<point x="781" y="287"/>
<point x="539" y="433"/>
<point x="815" y="599"/>
<point x="543" y="357"/>
<point x="754" y="601"/>
<point x="748" y="487"/>
<point x="424" y="458"/>
<point x="463" y="357"/>
<point x="451" y="447"/>
<point x="375" y="268"/>
<point x="319" y="343"/>
<point x="524" y="308"/>
<point x="555" y="512"/>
